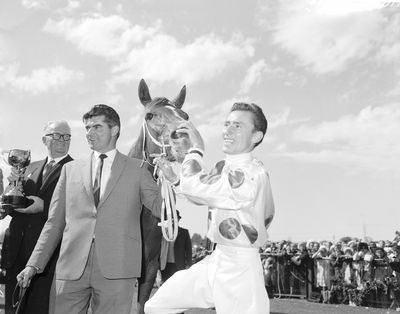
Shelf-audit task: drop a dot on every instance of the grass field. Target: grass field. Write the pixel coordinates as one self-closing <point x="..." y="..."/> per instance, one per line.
<point x="294" y="306"/>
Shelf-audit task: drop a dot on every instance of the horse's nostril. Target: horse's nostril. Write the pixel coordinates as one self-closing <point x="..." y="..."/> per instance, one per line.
<point x="148" y="116"/>
<point x="174" y="135"/>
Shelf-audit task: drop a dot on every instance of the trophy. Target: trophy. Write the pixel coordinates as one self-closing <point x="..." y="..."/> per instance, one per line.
<point x="15" y="198"/>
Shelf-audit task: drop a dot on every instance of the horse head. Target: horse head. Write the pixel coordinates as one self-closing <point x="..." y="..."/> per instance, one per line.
<point x="161" y="119"/>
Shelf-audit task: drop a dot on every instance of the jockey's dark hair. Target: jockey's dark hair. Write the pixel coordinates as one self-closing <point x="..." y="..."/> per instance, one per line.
<point x="111" y="117"/>
<point x="259" y="120"/>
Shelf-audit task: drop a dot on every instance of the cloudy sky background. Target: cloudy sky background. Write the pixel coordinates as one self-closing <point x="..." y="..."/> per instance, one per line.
<point x="326" y="73"/>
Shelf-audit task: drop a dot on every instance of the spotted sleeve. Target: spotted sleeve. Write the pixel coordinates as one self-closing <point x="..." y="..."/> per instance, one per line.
<point x="222" y="188"/>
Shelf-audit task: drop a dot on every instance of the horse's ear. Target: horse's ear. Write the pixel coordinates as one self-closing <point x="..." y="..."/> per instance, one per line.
<point x="144" y="94"/>
<point x="180" y="99"/>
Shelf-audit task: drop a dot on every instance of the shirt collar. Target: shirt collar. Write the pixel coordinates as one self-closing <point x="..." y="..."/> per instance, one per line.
<point x="110" y="155"/>
<point x="238" y="158"/>
<point x="56" y="160"/>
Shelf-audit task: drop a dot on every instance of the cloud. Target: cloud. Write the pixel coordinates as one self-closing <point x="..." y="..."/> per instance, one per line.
<point x="253" y="76"/>
<point x="39" y="80"/>
<point x="328" y="36"/>
<point x="108" y="37"/>
<point x="140" y="51"/>
<point x="342" y="7"/>
<point x="34" y="4"/>
<point x="389" y="49"/>
<point x="72" y="5"/>
<point x="7" y="51"/>
<point x="368" y="140"/>
<point x="163" y="58"/>
<point x="395" y="91"/>
<point x="283" y="118"/>
<point x="256" y="72"/>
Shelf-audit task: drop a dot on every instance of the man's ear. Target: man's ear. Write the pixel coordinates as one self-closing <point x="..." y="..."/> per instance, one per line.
<point x="44" y="140"/>
<point x="257" y="137"/>
<point x="114" y="130"/>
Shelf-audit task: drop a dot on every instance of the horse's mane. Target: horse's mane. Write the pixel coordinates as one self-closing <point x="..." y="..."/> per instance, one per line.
<point x="136" y="150"/>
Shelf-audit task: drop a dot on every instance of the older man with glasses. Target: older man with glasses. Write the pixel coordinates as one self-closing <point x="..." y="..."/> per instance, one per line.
<point x="39" y="181"/>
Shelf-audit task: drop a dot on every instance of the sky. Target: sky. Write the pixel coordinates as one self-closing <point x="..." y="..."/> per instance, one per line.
<point x="325" y="72"/>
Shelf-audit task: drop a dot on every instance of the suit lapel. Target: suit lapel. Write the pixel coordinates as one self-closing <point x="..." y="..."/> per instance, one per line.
<point x="55" y="173"/>
<point x="87" y="176"/>
<point x="33" y="173"/>
<point x="51" y="176"/>
<point x="116" y="171"/>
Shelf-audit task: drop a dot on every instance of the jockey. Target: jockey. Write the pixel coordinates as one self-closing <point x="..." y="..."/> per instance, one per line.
<point x="239" y="197"/>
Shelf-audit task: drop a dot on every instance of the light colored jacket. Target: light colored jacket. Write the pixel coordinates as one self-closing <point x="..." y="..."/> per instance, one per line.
<point x="114" y="225"/>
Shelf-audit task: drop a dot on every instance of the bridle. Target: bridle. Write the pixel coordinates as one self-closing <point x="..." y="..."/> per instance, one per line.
<point x="162" y="145"/>
<point x="169" y="226"/>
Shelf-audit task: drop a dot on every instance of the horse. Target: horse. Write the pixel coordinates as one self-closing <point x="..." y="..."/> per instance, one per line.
<point x="161" y="119"/>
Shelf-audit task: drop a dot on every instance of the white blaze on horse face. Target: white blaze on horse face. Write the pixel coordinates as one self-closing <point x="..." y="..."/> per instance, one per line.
<point x="164" y="121"/>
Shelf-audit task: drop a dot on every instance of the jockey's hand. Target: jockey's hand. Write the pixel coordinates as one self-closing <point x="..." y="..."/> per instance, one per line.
<point x="166" y="167"/>
<point x="188" y="128"/>
<point x="34" y="208"/>
<point x="25" y="276"/>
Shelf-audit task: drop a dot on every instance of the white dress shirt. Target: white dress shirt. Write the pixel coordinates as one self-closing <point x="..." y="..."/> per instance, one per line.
<point x="106" y="171"/>
<point x="56" y="160"/>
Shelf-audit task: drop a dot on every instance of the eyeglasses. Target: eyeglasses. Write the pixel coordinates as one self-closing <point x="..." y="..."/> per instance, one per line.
<point x="58" y="136"/>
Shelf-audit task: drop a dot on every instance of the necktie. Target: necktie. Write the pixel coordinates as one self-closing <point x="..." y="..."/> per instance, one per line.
<point x="97" y="180"/>
<point x="47" y="169"/>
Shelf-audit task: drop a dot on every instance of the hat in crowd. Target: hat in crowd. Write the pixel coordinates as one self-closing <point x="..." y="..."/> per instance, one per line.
<point x="351" y="243"/>
<point x="309" y="243"/>
<point x="362" y="246"/>
<point x="323" y="247"/>
<point x="302" y="244"/>
<point x="348" y="249"/>
<point x="380" y="249"/>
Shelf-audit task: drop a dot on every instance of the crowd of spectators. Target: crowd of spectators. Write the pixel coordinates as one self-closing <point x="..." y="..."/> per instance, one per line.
<point x="349" y="271"/>
<point x="353" y="272"/>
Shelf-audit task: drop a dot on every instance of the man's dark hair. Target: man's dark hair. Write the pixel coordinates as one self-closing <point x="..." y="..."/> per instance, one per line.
<point x="111" y="117"/>
<point x="259" y="120"/>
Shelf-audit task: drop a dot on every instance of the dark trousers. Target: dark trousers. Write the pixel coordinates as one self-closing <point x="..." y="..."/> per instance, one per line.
<point x="169" y="270"/>
<point x="36" y="299"/>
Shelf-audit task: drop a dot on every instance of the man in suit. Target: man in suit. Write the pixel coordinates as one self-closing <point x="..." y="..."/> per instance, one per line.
<point x="179" y="254"/>
<point x="39" y="181"/>
<point x="96" y="210"/>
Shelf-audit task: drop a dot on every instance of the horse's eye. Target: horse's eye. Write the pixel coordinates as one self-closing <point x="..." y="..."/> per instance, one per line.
<point x="149" y="116"/>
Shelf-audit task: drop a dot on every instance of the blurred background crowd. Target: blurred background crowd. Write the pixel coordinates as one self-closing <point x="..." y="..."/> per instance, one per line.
<point x="349" y="271"/>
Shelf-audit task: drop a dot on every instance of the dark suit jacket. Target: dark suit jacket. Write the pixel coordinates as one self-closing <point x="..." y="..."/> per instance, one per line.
<point x="24" y="229"/>
<point x="183" y="249"/>
<point x="21" y="237"/>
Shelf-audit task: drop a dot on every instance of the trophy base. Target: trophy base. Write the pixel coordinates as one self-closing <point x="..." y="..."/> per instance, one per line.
<point x="15" y="201"/>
